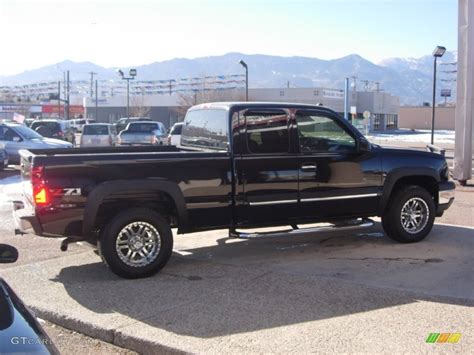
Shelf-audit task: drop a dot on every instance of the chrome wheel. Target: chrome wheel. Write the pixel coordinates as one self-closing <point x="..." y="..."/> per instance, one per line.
<point x="414" y="216"/>
<point x="138" y="244"/>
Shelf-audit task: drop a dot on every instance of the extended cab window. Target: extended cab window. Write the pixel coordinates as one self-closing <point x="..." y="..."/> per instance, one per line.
<point x="318" y="132"/>
<point x="206" y="129"/>
<point x="267" y="131"/>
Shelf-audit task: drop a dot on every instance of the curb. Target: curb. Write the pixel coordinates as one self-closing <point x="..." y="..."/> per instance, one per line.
<point x="112" y="336"/>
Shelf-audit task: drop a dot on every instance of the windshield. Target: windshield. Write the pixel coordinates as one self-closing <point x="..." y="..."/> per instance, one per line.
<point x="95" y="130"/>
<point x="142" y="127"/>
<point x="51" y="125"/>
<point x="27" y="133"/>
<point x="176" y="129"/>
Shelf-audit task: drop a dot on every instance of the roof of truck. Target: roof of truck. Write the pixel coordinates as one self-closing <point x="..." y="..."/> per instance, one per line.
<point x="230" y="104"/>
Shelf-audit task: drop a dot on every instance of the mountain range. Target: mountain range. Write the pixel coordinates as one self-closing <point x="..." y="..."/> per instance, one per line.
<point x="408" y="78"/>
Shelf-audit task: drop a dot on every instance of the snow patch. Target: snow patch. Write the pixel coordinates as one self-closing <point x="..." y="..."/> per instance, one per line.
<point x="9" y="188"/>
<point x="418" y="136"/>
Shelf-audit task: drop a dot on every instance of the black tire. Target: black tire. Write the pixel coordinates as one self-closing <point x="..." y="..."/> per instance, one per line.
<point x="112" y="231"/>
<point x="392" y="222"/>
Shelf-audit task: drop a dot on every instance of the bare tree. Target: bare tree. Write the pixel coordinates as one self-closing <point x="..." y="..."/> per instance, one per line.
<point x="203" y="95"/>
<point x="138" y="107"/>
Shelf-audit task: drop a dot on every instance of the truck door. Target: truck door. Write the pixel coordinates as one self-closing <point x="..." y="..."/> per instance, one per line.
<point x="334" y="178"/>
<point x="267" y="171"/>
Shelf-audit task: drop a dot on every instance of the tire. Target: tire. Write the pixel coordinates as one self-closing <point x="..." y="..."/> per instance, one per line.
<point x="116" y="246"/>
<point x="419" y="214"/>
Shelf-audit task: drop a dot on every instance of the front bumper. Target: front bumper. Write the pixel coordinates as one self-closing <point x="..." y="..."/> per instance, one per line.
<point x="25" y="219"/>
<point x="445" y="196"/>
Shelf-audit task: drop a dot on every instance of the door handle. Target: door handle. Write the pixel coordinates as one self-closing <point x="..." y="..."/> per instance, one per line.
<point x="309" y="167"/>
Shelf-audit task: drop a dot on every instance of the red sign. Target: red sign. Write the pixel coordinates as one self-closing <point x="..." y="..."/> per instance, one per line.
<point x="73" y="109"/>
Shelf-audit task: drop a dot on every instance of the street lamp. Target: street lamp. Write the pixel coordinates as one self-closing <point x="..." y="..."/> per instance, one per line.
<point x="242" y="63"/>
<point x="437" y="53"/>
<point x="131" y="76"/>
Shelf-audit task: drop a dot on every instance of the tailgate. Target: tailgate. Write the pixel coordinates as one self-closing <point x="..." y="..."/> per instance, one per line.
<point x="26" y="158"/>
<point x="137" y="138"/>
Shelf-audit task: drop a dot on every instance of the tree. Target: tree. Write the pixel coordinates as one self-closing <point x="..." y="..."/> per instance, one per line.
<point x="138" y="107"/>
<point x="203" y="95"/>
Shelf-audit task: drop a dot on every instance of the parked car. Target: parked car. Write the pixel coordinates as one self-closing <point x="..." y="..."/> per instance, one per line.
<point x="3" y="157"/>
<point x="98" y="135"/>
<point x="240" y="165"/>
<point x="143" y="133"/>
<point x="15" y="136"/>
<point x="20" y="331"/>
<point x="123" y="122"/>
<point x="78" y="123"/>
<point x="174" y="137"/>
<point x="54" y="128"/>
<point x="28" y="122"/>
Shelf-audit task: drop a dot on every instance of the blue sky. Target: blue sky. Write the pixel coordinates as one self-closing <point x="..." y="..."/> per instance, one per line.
<point x="128" y="33"/>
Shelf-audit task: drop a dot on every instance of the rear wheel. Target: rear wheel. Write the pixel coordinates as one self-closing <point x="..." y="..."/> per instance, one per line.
<point x="410" y="216"/>
<point x="136" y="243"/>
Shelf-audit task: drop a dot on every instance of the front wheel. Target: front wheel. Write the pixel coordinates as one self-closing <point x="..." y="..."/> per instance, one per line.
<point x="410" y="216"/>
<point x="136" y="243"/>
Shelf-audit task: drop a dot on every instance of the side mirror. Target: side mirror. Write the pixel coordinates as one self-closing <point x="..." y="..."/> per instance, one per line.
<point x="363" y="145"/>
<point x="8" y="254"/>
<point x="16" y="139"/>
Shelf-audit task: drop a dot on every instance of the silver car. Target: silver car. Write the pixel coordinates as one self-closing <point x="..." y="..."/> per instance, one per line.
<point x="98" y="135"/>
<point x="143" y="133"/>
<point x="3" y="157"/>
<point x="16" y="136"/>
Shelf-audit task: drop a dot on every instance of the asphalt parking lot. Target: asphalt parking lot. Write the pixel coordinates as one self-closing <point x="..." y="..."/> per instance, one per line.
<point x="315" y="293"/>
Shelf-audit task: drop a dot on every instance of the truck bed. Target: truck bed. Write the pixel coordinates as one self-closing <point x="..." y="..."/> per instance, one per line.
<point x="102" y="150"/>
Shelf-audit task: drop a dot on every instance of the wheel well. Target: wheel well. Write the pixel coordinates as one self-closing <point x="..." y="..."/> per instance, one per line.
<point x="426" y="182"/>
<point x="158" y="201"/>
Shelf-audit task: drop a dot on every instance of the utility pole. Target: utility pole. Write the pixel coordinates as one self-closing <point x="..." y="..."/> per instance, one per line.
<point x="68" y="96"/>
<point x="96" y="101"/>
<point x="288" y="84"/>
<point x="171" y="86"/>
<point x="354" y="82"/>
<point x="377" y="86"/>
<point x="366" y="86"/>
<point x="346" y="99"/>
<point x="92" y="82"/>
<point x="59" y="98"/>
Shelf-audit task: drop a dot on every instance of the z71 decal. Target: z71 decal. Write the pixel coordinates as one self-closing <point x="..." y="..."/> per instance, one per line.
<point x="72" y="192"/>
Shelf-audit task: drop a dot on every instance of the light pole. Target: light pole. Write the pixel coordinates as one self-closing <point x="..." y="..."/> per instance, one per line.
<point x="437" y="53"/>
<point x="242" y="63"/>
<point x="132" y="74"/>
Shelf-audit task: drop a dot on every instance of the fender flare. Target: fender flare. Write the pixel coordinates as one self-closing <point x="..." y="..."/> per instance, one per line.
<point x="97" y="195"/>
<point x="394" y="176"/>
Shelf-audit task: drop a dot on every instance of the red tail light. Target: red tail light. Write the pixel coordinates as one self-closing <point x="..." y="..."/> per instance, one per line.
<point x="40" y="192"/>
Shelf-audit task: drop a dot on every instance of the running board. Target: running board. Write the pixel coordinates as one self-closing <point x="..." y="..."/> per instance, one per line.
<point x="346" y="226"/>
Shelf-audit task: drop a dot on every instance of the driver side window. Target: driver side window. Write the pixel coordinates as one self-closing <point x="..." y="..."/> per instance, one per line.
<point x="7" y="134"/>
<point x="320" y="133"/>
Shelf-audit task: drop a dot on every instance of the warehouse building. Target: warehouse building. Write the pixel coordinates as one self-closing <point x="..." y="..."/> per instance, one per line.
<point x="381" y="107"/>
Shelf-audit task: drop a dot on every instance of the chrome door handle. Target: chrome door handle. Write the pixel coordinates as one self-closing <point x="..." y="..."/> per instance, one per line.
<point x="308" y="167"/>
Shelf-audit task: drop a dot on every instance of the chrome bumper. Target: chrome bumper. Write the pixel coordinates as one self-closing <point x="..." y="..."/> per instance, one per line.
<point x="445" y="196"/>
<point x="25" y="219"/>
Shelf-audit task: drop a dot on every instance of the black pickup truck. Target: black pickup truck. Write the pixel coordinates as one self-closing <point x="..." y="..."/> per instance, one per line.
<point x="239" y="165"/>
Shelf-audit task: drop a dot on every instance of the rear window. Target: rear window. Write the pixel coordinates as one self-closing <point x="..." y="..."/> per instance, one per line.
<point x="95" y="130"/>
<point x="142" y="127"/>
<point x="176" y="129"/>
<point x="52" y="126"/>
<point x="206" y="129"/>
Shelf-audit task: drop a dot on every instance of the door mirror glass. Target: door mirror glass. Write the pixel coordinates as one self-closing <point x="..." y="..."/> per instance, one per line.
<point x="8" y="254"/>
